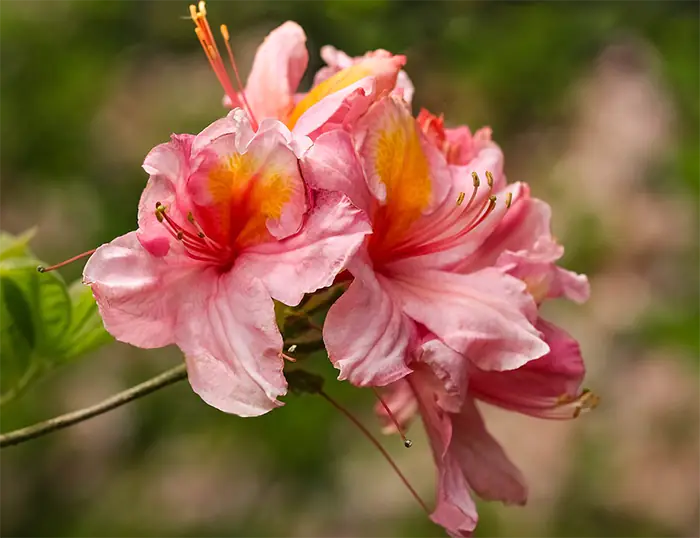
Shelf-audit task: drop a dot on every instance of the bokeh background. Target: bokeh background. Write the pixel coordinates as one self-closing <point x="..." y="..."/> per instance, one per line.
<point x="595" y="104"/>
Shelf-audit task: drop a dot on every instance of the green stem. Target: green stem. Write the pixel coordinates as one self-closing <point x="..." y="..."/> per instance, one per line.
<point x="69" y="419"/>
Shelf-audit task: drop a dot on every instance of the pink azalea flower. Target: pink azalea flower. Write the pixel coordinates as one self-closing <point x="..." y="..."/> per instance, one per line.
<point x="226" y="224"/>
<point x="445" y="383"/>
<point x="279" y="65"/>
<point x="423" y="225"/>
<point x="453" y="285"/>
<point x="467" y="457"/>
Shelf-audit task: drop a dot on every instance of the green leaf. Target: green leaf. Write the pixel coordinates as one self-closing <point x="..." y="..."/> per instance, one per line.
<point x="43" y="324"/>
<point x="54" y="312"/>
<point x="47" y="297"/>
<point x="12" y="246"/>
<point x="17" y="336"/>
<point x="87" y="331"/>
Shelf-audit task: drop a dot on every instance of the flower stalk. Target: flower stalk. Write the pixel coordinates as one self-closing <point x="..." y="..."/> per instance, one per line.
<point x="69" y="419"/>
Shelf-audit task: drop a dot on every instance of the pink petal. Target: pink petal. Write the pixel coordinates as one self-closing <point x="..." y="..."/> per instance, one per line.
<point x="413" y="176"/>
<point x="234" y="131"/>
<point x="522" y="243"/>
<point x="366" y="333"/>
<point x="486" y="467"/>
<point x="275" y="159"/>
<point x="138" y="294"/>
<point x="168" y="167"/>
<point x="455" y="509"/>
<point x="332" y="164"/>
<point x="337" y="109"/>
<point x="450" y="369"/>
<point x="241" y="189"/>
<point x="278" y="67"/>
<point x="465" y="148"/>
<point x="484" y="315"/>
<point x="310" y="259"/>
<point x="232" y="345"/>
<point x="540" y="387"/>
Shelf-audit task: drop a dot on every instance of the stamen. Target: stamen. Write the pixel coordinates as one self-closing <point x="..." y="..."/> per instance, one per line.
<point x="43" y="269"/>
<point x="489" y="209"/>
<point x="197" y="246"/>
<point x="489" y="179"/>
<point x="448" y="229"/>
<point x="406" y="442"/>
<point x="586" y="401"/>
<point x="509" y="199"/>
<point x="379" y="447"/>
<point x="475" y="184"/>
<point x="206" y="39"/>
<point x="241" y="88"/>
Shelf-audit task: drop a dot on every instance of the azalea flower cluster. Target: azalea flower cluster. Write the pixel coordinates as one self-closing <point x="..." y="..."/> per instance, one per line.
<point x="442" y="263"/>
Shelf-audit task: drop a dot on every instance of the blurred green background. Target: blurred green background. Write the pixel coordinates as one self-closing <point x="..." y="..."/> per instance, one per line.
<point x="595" y="104"/>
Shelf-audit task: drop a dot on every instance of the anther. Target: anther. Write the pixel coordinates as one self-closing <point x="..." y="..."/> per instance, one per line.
<point x="475" y="178"/>
<point x="489" y="178"/>
<point x="587" y="401"/>
<point x="292" y="348"/>
<point x="224" y="32"/>
<point x="509" y="199"/>
<point x="408" y="443"/>
<point x="460" y="198"/>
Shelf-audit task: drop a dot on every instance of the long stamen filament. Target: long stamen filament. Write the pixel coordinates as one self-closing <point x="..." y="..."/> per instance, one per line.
<point x="198" y="14"/>
<point x="443" y="233"/>
<point x="406" y="442"/>
<point x="43" y="269"/>
<point x="198" y="246"/>
<point x="241" y="89"/>
<point x="379" y="447"/>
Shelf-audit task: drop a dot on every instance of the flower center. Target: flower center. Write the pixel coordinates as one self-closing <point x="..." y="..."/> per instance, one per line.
<point x="197" y="245"/>
<point x="448" y="226"/>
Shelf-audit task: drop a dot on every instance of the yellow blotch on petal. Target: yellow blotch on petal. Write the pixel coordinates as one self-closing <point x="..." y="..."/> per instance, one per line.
<point x="342" y="79"/>
<point x="245" y="196"/>
<point x="401" y="165"/>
